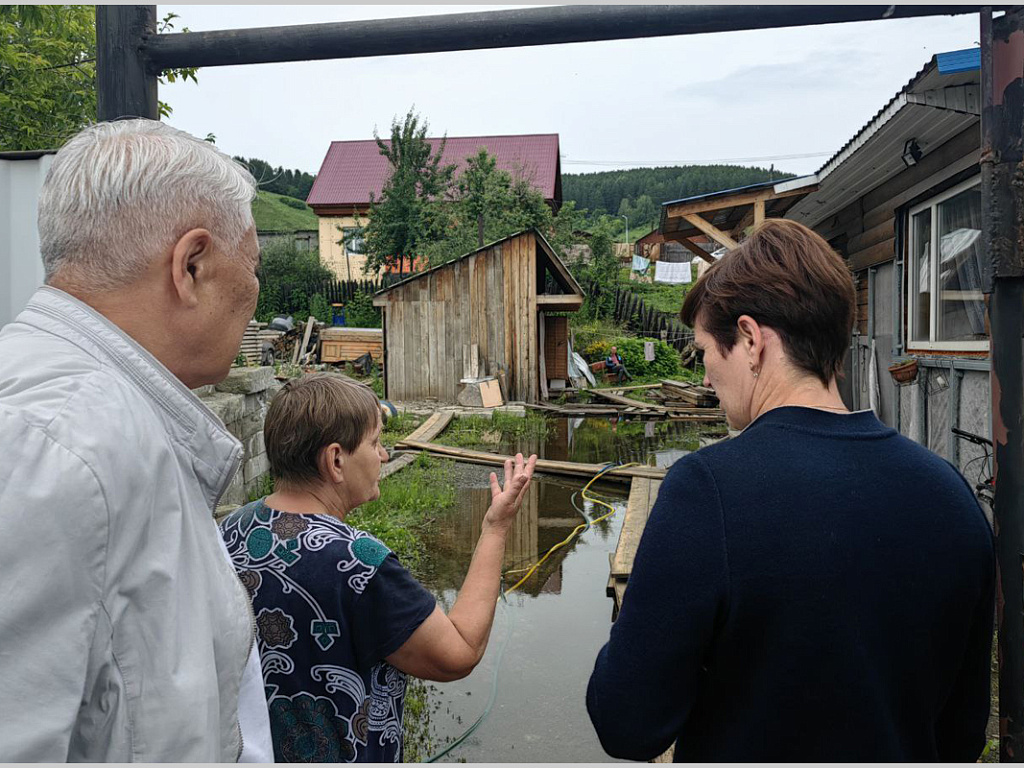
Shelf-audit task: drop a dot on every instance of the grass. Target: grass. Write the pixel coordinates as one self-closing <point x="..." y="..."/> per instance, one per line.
<point x="271" y="214"/>
<point x="659" y="296"/>
<point x="397" y="427"/>
<point x="408" y="501"/>
<point x="477" y="430"/>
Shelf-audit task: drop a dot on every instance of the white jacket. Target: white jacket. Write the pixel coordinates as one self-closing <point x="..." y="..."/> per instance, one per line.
<point x="124" y="631"/>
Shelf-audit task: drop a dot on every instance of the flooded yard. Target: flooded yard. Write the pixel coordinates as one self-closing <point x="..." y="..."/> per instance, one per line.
<point x="549" y="632"/>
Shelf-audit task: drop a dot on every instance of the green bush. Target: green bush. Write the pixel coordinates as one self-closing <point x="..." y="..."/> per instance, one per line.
<point x="319" y="308"/>
<point x="360" y="312"/>
<point x="587" y="333"/>
<point x="289" y="278"/>
<point x="292" y="202"/>
<point x="665" y="364"/>
<point x="597" y="351"/>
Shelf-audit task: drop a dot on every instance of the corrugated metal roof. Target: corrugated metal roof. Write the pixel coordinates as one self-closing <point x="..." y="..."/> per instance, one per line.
<point x="952" y="62"/>
<point x="721" y="193"/>
<point x="352" y="170"/>
<point x="925" y="78"/>
<point x="780" y="186"/>
<point x="872" y="155"/>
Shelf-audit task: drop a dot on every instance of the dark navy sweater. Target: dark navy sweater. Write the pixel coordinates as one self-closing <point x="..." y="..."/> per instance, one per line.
<point x="819" y="588"/>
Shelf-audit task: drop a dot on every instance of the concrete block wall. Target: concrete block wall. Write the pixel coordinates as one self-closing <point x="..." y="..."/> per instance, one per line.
<point x="241" y="402"/>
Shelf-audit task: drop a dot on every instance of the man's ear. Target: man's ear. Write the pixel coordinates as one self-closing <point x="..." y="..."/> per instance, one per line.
<point x="188" y="259"/>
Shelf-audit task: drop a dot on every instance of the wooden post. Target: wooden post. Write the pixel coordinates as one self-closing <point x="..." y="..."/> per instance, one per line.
<point x="124" y="87"/>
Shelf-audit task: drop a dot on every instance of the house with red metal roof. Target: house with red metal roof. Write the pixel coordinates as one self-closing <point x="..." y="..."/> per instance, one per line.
<point x="353" y="171"/>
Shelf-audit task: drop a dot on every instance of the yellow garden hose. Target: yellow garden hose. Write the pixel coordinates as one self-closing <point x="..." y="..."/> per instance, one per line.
<point x="577" y="530"/>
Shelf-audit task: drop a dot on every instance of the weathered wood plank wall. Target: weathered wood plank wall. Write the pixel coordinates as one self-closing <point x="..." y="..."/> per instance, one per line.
<point x="489" y="300"/>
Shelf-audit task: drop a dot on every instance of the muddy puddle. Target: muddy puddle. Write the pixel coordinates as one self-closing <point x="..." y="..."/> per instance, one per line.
<point x="549" y="632"/>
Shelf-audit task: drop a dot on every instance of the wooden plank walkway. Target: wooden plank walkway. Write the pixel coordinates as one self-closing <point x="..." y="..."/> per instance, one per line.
<point x="643" y="492"/>
<point x="428" y="430"/>
<point x="573" y="468"/>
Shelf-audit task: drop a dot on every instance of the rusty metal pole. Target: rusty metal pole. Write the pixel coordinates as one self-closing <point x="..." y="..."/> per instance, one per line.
<point x="1002" y="175"/>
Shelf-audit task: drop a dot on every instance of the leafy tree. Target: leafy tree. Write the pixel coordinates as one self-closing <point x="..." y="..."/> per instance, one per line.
<point x="290" y="279"/>
<point x="597" y="274"/>
<point x="293" y="183"/>
<point x="407" y="210"/>
<point x="485" y="204"/>
<point x="48" y="73"/>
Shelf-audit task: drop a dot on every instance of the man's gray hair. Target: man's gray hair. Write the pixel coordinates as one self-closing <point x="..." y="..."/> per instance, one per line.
<point x="119" y="193"/>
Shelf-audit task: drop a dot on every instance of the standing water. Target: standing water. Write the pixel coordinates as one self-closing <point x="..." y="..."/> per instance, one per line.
<point x="546" y="637"/>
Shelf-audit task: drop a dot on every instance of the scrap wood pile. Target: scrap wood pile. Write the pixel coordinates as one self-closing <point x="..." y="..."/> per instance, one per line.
<point x="309" y="342"/>
<point x="683" y="394"/>
<point x="675" y="400"/>
<point x="297" y="345"/>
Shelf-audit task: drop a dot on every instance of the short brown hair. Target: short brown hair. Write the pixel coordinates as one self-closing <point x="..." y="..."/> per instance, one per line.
<point x="786" y="277"/>
<point x="310" y="413"/>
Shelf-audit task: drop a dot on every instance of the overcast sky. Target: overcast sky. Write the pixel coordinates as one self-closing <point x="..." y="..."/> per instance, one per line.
<point x="733" y="97"/>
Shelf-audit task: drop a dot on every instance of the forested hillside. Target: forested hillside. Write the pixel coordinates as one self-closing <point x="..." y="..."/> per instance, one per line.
<point x="624" y="192"/>
<point x="280" y="181"/>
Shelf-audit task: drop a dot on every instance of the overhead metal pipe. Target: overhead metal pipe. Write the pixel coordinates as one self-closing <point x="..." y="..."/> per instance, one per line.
<point x="499" y="29"/>
<point x="1002" y="196"/>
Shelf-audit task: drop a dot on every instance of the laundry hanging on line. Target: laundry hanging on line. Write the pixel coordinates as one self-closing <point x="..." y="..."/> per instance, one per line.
<point x="673" y="272"/>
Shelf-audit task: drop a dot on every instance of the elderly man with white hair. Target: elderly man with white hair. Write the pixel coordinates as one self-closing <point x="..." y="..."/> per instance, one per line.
<point x="124" y="633"/>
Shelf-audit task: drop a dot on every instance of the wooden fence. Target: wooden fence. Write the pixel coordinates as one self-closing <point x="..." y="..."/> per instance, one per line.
<point x="630" y="311"/>
<point x="342" y="291"/>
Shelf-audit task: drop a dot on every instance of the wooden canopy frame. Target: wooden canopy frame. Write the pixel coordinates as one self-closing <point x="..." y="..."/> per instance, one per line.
<point x="725" y="216"/>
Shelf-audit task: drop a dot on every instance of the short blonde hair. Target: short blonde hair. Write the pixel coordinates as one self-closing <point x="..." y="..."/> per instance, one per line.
<point x="310" y="413"/>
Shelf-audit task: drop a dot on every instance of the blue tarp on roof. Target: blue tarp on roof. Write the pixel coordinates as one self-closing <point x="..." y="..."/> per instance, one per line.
<point x="959" y="61"/>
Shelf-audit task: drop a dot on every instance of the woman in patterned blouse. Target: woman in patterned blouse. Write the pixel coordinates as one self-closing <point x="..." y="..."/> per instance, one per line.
<point x="340" y="622"/>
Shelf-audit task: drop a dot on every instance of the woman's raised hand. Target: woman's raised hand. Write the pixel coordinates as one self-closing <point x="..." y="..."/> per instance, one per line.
<point x="505" y="500"/>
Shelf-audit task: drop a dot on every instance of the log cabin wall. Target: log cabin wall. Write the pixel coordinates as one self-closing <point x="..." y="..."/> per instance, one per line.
<point x="868" y="233"/>
<point x="868" y="226"/>
<point x="487" y="299"/>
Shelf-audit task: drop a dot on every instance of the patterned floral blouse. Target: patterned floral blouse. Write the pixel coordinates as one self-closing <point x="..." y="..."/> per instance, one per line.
<point x="330" y="604"/>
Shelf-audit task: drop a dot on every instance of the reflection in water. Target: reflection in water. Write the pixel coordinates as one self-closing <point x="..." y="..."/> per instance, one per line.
<point x="547" y="516"/>
<point x="600" y="440"/>
<point x="560" y="617"/>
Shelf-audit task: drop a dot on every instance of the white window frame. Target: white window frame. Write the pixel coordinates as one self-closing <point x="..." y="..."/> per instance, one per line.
<point x="949" y="346"/>
<point x="362" y="237"/>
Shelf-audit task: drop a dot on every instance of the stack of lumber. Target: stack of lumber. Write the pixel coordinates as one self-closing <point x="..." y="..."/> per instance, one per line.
<point x="339" y="344"/>
<point x="685" y="394"/>
<point x="673" y="409"/>
<point x="252" y="343"/>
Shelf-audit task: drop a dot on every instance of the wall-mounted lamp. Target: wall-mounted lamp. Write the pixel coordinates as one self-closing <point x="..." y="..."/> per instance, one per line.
<point x="911" y="153"/>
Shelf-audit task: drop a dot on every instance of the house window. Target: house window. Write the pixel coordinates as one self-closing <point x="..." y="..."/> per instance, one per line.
<point x="353" y="239"/>
<point x="946" y="307"/>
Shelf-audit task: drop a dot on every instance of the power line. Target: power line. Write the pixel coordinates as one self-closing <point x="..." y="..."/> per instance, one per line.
<point x="798" y="156"/>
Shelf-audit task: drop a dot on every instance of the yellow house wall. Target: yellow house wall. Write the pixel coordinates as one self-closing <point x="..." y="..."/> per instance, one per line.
<point x="332" y="255"/>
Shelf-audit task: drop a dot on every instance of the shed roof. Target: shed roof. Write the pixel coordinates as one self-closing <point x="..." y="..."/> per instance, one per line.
<point x="561" y="272"/>
<point x="353" y="170"/>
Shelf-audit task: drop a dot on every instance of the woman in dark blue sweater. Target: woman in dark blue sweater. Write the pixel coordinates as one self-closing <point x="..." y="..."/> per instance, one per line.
<point x="818" y="588"/>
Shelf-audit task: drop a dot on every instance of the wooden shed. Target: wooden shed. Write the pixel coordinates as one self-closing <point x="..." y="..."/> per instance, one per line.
<point x="483" y="314"/>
